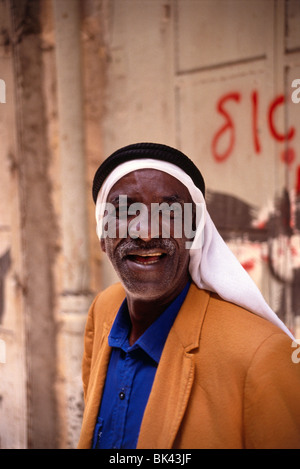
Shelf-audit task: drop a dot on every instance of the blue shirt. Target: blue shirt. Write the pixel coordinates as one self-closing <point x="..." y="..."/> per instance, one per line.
<point x="130" y="376"/>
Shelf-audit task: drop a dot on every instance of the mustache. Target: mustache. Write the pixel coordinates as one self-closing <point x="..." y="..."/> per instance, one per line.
<point x="130" y="245"/>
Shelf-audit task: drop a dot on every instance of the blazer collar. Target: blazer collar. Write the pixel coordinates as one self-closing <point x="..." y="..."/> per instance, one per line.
<point x="189" y="322"/>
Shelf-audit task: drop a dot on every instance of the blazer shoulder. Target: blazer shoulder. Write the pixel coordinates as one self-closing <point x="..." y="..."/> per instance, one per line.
<point x="236" y="325"/>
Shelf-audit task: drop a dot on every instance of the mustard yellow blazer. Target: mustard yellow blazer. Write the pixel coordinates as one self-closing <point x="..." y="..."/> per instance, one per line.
<point x="226" y="378"/>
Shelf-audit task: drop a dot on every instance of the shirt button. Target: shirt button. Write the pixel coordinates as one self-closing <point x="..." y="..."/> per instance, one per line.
<point x="122" y="395"/>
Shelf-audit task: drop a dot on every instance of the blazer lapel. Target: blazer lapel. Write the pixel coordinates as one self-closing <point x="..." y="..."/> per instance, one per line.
<point x="175" y="374"/>
<point x="95" y="390"/>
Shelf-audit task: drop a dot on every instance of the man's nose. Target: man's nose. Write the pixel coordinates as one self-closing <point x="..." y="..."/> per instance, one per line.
<point x="145" y="235"/>
<point x="141" y="227"/>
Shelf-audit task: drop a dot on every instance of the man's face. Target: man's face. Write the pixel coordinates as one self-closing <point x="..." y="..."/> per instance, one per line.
<point x="149" y="267"/>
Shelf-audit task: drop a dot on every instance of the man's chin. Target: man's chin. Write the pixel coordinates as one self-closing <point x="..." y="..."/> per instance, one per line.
<point x="146" y="290"/>
<point x="150" y="274"/>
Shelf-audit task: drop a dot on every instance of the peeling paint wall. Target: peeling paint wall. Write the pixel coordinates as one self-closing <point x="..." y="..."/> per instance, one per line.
<point x="45" y="260"/>
<point x="211" y="77"/>
<point x="39" y="230"/>
<point x="13" y="378"/>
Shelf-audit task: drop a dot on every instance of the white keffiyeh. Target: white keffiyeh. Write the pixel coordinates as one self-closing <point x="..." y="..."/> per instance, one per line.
<point x="212" y="265"/>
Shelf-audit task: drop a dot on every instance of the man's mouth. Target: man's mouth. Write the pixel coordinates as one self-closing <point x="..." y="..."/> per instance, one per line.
<point x="146" y="258"/>
<point x="146" y="254"/>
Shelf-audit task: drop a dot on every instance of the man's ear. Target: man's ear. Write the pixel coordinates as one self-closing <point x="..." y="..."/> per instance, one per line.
<point x="102" y="244"/>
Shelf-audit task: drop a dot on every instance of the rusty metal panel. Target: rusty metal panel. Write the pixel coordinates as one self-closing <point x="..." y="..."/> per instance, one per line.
<point x="292" y="11"/>
<point x="236" y="121"/>
<point x="223" y="124"/>
<point x="213" y="32"/>
<point x="139" y="94"/>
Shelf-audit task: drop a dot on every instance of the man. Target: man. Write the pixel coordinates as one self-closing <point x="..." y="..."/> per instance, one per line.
<point x="184" y="352"/>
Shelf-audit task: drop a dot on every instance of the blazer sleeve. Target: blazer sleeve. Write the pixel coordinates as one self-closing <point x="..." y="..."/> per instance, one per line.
<point x="272" y="396"/>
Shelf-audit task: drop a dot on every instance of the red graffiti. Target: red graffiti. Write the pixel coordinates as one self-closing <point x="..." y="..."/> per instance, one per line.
<point x="298" y="181"/>
<point x="254" y="98"/>
<point x="227" y="127"/>
<point x="294" y="251"/>
<point x="288" y="155"/>
<point x="261" y="225"/>
<point x="249" y="264"/>
<point x="279" y="101"/>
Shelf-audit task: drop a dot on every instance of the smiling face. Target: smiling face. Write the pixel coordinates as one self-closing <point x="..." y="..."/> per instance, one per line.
<point x="149" y="267"/>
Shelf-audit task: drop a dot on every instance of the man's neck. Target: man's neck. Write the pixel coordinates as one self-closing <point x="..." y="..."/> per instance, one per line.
<point x="143" y="313"/>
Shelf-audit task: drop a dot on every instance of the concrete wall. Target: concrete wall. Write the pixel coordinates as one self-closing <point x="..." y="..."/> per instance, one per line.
<point x="83" y="77"/>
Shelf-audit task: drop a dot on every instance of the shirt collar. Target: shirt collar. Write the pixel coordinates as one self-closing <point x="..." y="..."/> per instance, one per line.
<point x="153" y="339"/>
